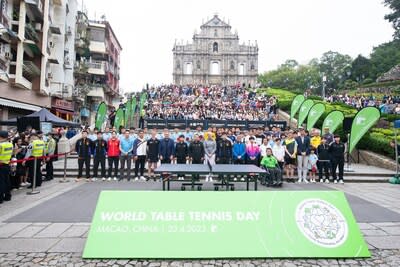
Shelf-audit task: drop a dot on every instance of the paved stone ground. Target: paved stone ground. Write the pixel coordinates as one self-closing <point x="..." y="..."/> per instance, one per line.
<point x="379" y="258"/>
<point x="61" y="244"/>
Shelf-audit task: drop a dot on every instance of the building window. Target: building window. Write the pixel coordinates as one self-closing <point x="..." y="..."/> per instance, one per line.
<point x="198" y="64"/>
<point x="214" y="68"/>
<point x="252" y="66"/>
<point x="188" y="68"/>
<point x="232" y="66"/>
<point x="241" y="69"/>
<point x="178" y="64"/>
<point x="215" y="47"/>
<point x="215" y="33"/>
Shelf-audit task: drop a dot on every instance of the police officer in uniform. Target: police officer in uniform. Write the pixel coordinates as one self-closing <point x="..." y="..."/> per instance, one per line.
<point x="337" y="150"/>
<point x="181" y="153"/>
<point x="6" y="150"/>
<point x="36" y="149"/>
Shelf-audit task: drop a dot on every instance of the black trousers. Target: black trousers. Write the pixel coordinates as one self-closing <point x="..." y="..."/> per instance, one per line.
<point x="323" y="168"/>
<point x="49" y="169"/>
<point x="5" y="185"/>
<point x="31" y="169"/>
<point x="102" y="162"/>
<point x="337" y="162"/>
<point x="86" y="161"/>
<point x="139" y="165"/>
<point x="113" y="161"/>
<point x="252" y="161"/>
<point x="166" y="160"/>
<point x="181" y="161"/>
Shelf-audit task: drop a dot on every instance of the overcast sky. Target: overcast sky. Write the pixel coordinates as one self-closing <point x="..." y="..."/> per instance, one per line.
<point x="284" y="29"/>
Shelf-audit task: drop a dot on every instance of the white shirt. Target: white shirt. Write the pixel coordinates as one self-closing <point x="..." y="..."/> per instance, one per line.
<point x="279" y="152"/>
<point x="141" y="149"/>
<point x="263" y="149"/>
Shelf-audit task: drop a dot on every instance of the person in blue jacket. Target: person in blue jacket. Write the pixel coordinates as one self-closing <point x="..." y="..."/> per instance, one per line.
<point x="167" y="148"/>
<point x="239" y="152"/>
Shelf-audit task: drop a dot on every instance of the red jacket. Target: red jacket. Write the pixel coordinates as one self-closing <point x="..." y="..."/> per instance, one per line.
<point x="113" y="148"/>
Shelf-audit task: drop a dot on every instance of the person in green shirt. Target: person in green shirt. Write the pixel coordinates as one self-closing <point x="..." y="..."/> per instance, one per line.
<point x="270" y="163"/>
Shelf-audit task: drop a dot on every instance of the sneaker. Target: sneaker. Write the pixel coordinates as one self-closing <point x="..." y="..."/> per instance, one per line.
<point x="94" y="179"/>
<point x="235" y="179"/>
<point x="327" y="181"/>
<point x="341" y="181"/>
<point x="24" y="184"/>
<point x="335" y="182"/>
<point x="305" y="181"/>
<point x="299" y="181"/>
<point x="115" y="179"/>
<point x="142" y="178"/>
<point x="321" y="180"/>
<point x="136" y="178"/>
<point x="207" y="179"/>
<point x="103" y="179"/>
<point x="77" y="179"/>
<point x="87" y="180"/>
<point x="109" y="179"/>
<point x="242" y="179"/>
<point x="210" y="179"/>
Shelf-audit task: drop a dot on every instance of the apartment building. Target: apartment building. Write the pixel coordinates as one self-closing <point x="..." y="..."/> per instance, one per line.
<point x="24" y="27"/>
<point x="97" y="65"/>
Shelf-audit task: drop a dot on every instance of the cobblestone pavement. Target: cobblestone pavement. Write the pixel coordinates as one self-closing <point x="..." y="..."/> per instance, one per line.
<point x="379" y="258"/>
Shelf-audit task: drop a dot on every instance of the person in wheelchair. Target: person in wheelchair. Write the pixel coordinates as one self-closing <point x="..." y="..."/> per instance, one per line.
<point x="271" y="164"/>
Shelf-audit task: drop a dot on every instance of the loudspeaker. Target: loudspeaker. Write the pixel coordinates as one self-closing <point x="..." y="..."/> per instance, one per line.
<point x="347" y="122"/>
<point x="25" y="122"/>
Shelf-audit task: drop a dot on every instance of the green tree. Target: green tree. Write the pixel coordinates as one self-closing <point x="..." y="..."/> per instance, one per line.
<point x="394" y="17"/>
<point x="360" y="68"/>
<point x="384" y="57"/>
<point x="334" y="66"/>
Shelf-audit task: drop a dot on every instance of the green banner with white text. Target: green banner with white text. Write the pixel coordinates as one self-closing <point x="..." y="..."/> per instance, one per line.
<point x="333" y="120"/>
<point x="304" y="109"/>
<point x="314" y="114"/>
<point x="101" y="115"/>
<point x="179" y="225"/>
<point x="296" y="103"/>
<point x="119" y="119"/>
<point x="362" y="122"/>
<point x="128" y="113"/>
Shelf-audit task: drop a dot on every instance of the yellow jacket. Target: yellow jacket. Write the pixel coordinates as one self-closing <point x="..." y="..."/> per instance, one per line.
<point x="315" y="141"/>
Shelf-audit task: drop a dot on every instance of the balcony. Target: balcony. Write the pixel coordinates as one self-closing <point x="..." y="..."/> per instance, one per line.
<point x="97" y="67"/>
<point x="37" y="8"/>
<point x="30" y="33"/>
<point x="30" y="70"/>
<point x="55" y="28"/>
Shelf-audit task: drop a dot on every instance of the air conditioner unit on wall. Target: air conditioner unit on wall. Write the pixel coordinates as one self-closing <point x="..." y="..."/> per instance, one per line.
<point x="7" y="55"/>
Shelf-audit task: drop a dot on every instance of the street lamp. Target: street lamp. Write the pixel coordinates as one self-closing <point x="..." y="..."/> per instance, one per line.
<point x="323" y="85"/>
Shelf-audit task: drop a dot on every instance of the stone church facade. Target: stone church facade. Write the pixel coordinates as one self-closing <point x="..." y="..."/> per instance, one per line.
<point x="215" y="57"/>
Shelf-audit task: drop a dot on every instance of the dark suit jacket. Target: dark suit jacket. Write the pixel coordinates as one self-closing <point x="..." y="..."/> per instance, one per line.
<point x="303" y="146"/>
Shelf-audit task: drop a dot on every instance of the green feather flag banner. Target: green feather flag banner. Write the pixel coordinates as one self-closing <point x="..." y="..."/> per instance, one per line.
<point x="128" y="113"/>
<point x="296" y="103"/>
<point x="314" y="114"/>
<point x="333" y="120"/>
<point x="134" y="103"/>
<point x="143" y="98"/>
<point x="101" y="115"/>
<point x="304" y="109"/>
<point x="119" y="119"/>
<point x="362" y="122"/>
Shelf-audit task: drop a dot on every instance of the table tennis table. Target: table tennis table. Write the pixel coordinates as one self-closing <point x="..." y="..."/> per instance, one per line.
<point x="226" y="171"/>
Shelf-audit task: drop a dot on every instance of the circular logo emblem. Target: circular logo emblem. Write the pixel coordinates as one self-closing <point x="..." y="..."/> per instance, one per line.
<point x="322" y="223"/>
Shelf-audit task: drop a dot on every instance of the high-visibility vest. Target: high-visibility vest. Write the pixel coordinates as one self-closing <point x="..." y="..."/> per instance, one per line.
<point x="6" y="150"/>
<point x="37" y="148"/>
